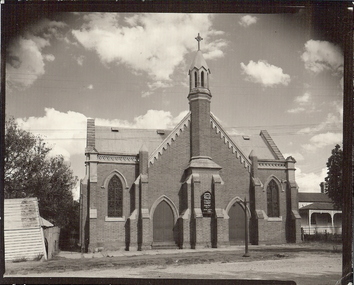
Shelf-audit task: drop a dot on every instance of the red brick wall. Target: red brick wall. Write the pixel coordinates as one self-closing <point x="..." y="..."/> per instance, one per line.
<point x="235" y="176"/>
<point x="166" y="175"/>
<point x="110" y="234"/>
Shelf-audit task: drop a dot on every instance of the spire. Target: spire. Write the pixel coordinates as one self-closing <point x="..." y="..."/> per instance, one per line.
<point x="199" y="70"/>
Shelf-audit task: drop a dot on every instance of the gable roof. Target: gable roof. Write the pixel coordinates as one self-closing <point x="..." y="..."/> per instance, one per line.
<point x="22" y="229"/>
<point x="314" y="197"/>
<point x="127" y="141"/>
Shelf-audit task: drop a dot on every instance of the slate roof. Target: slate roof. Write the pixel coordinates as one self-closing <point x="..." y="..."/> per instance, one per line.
<point x="314" y="197"/>
<point x="127" y="141"/>
<point x="318" y="206"/>
<point x="255" y="143"/>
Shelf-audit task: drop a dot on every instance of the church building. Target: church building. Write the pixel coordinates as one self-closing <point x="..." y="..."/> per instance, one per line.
<point x="194" y="186"/>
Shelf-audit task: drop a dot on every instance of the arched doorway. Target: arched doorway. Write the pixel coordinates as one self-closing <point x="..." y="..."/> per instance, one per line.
<point x="163" y="223"/>
<point x="236" y="224"/>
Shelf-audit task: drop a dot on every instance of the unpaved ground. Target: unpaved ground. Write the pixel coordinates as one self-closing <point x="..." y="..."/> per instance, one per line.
<point x="305" y="264"/>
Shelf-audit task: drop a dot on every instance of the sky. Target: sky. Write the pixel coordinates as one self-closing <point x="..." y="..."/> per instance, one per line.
<point x="268" y="71"/>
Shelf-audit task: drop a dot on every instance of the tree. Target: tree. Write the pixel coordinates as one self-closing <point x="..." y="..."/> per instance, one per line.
<point x="30" y="171"/>
<point x="334" y="177"/>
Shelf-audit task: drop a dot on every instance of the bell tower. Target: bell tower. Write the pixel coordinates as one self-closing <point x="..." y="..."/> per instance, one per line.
<point x="199" y="104"/>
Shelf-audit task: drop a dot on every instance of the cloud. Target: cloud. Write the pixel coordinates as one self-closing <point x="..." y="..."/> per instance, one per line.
<point x="25" y="54"/>
<point x="264" y="73"/>
<point x="305" y="104"/>
<point x="248" y="20"/>
<point x="66" y="132"/>
<point x="323" y="140"/>
<point x="333" y="122"/>
<point x="322" y="55"/>
<point x="90" y="87"/>
<point x="153" y="119"/>
<point x="303" y="99"/>
<point x="154" y="44"/>
<point x="310" y="182"/>
<point x="80" y="60"/>
<point x="297" y="155"/>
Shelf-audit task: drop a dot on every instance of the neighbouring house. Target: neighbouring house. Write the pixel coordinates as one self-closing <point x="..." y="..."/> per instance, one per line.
<point x="186" y="187"/>
<point x="318" y="214"/>
<point x="23" y="232"/>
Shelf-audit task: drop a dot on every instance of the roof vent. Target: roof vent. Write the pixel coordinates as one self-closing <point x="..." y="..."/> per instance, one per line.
<point x="115" y="130"/>
<point x="246" y="138"/>
<point x="160" y="132"/>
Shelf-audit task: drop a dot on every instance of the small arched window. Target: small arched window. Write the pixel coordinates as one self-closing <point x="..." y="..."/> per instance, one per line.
<point x="195" y="79"/>
<point x="115" y="197"/>
<point x="202" y="78"/>
<point x="273" y="199"/>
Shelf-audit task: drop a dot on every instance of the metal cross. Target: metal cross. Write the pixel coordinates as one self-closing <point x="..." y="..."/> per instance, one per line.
<point x="199" y="38"/>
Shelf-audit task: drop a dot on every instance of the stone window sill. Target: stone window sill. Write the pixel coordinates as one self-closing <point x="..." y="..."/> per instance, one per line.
<point x="114" y="219"/>
<point x="275" y="219"/>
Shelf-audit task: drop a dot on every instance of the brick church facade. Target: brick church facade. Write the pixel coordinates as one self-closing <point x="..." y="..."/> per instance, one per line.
<point x="186" y="187"/>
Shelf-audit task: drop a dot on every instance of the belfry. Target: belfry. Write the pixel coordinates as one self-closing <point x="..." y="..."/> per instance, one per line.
<point x="185" y="187"/>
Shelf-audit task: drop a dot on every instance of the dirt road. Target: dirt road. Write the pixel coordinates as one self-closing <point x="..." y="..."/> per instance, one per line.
<point x="303" y="264"/>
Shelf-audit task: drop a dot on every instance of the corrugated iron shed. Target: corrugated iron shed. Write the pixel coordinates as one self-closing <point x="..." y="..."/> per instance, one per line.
<point x="22" y="230"/>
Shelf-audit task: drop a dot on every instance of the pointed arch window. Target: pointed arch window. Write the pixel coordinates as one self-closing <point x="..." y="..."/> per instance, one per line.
<point x="195" y="79"/>
<point x="115" y="197"/>
<point x="273" y="199"/>
<point x="202" y="78"/>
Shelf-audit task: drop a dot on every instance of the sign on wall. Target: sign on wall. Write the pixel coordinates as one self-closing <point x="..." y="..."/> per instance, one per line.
<point x="207" y="205"/>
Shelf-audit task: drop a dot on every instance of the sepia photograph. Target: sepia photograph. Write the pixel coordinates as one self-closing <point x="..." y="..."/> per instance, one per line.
<point x="160" y="142"/>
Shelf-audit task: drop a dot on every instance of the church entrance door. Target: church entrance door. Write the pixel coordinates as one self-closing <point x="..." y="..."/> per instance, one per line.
<point x="236" y="224"/>
<point x="163" y="223"/>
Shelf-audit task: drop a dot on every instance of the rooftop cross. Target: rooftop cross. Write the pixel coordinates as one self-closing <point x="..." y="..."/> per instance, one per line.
<point x="199" y="38"/>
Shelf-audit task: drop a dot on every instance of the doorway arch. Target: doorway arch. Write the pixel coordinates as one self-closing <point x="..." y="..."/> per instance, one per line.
<point x="236" y="224"/>
<point x="163" y="223"/>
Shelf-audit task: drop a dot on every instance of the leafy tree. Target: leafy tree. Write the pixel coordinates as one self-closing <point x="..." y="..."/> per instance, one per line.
<point x="30" y="171"/>
<point x="334" y="177"/>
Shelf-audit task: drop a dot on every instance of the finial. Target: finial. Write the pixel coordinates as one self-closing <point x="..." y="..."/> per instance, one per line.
<point x="199" y="38"/>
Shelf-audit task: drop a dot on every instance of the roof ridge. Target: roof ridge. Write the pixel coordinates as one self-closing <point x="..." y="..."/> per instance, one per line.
<point x="227" y="139"/>
<point x="273" y="147"/>
<point x="168" y="140"/>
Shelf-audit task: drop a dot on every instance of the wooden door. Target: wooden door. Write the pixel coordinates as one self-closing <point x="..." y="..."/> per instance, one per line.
<point x="163" y="223"/>
<point x="236" y="224"/>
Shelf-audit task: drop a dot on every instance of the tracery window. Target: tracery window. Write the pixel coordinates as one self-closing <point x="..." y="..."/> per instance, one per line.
<point x="115" y="197"/>
<point x="273" y="199"/>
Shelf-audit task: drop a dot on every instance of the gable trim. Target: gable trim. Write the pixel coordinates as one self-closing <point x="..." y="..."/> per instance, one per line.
<point x="169" y="139"/>
<point x="231" y="144"/>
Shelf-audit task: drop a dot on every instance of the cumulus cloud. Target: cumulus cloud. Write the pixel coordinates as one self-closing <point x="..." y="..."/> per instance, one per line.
<point x="151" y="43"/>
<point x="304" y="104"/>
<point x="297" y="155"/>
<point x="322" y="55"/>
<point x="332" y="121"/>
<point x="64" y="131"/>
<point x="310" y="182"/>
<point x="264" y="73"/>
<point x="25" y="54"/>
<point x="247" y="20"/>
<point x="323" y="140"/>
<point x="80" y="60"/>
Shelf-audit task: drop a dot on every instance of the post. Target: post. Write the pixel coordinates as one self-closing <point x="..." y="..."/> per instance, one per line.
<point x="246" y="229"/>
